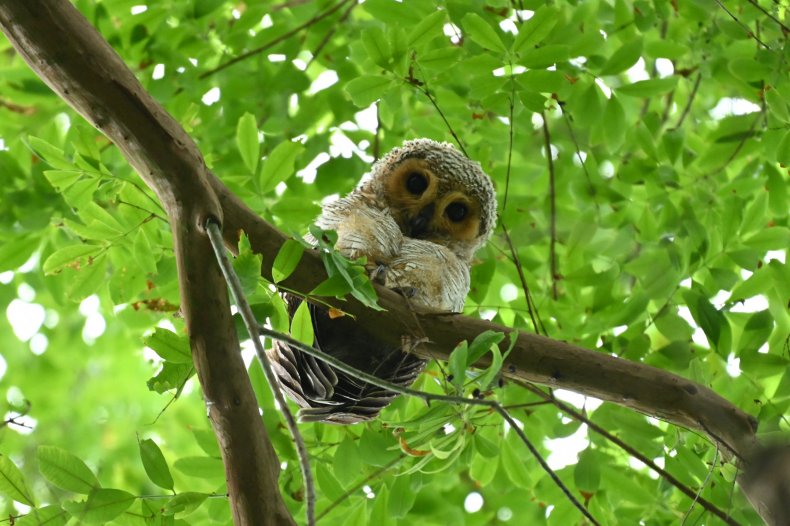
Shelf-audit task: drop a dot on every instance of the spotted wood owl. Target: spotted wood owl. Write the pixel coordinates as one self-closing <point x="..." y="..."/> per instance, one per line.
<point x="418" y="220"/>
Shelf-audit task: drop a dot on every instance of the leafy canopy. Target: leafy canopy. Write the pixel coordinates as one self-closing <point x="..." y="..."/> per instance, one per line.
<point x="657" y="231"/>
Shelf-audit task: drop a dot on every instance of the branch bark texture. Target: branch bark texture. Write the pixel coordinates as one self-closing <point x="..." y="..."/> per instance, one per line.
<point x="73" y="59"/>
<point x="78" y="64"/>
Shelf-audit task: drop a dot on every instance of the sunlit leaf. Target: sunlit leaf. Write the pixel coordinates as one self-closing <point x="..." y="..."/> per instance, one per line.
<point x="247" y="141"/>
<point x="155" y="464"/>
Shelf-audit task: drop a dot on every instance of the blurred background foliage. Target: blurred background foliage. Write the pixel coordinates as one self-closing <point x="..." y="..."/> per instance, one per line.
<point x="664" y="203"/>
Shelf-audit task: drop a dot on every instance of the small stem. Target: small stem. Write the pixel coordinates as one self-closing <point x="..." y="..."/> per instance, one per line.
<point x="215" y="235"/>
<point x="553" y="209"/>
<point x="744" y="26"/>
<point x="269" y="45"/>
<point x="693" y="94"/>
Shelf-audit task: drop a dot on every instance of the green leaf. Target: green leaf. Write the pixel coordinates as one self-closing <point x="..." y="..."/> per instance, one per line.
<point x="287" y="260"/>
<point x="155" y="464"/>
<point x="66" y="471"/>
<point x="247" y="265"/>
<point x="712" y="322"/>
<point x="756" y="332"/>
<point x="777" y="191"/>
<point x="53" y="155"/>
<point x="12" y="483"/>
<point x="247" y="141"/>
<point x="73" y="256"/>
<point x="327" y="482"/>
<point x="483" y="342"/>
<point x="614" y="123"/>
<point x="777" y="104"/>
<point x="142" y="253"/>
<point x="773" y="238"/>
<point x="302" y="324"/>
<point x="367" y="89"/>
<point x="46" y="516"/>
<point x="63" y="179"/>
<point x="172" y="376"/>
<point x="279" y="165"/>
<point x="486" y="447"/>
<point x="536" y="28"/>
<point x="184" y="503"/>
<point x="586" y="473"/>
<point x="482" y="33"/>
<point x="512" y="461"/>
<point x="783" y="151"/>
<point x="649" y="88"/>
<point x="673" y="144"/>
<point x="15" y="252"/>
<point x="377" y="46"/>
<point x="457" y="364"/>
<point x="201" y="467"/>
<point x="428" y="28"/>
<point x="169" y="345"/>
<point x="748" y="70"/>
<point x="623" y="58"/>
<point x="491" y="373"/>
<point x="347" y="464"/>
<point x="102" y="506"/>
<point x="402" y="497"/>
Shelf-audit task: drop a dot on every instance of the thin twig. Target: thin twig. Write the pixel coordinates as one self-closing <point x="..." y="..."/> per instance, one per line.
<point x="509" y="150"/>
<point x="335" y="503"/>
<point x="581" y="159"/>
<point x="377" y="135"/>
<point x="531" y="308"/>
<point x="690" y="101"/>
<point x="444" y="118"/>
<point x="537" y="323"/>
<point x="553" y="208"/>
<point x="422" y="85"/>
<point x="698" y="497"/>
<point x="152" y="214"/>
<point x="215" y="235"/>
<point x="324" y="41"/>
<point x="747" y="28"/>
<point x="769" y="15"/>
<point x="428" y="397"/>
<point x="576" y="415"/>
<point x="281" y="38"/>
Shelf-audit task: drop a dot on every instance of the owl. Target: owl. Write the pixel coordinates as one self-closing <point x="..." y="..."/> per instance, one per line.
<point x="418" y="221"/>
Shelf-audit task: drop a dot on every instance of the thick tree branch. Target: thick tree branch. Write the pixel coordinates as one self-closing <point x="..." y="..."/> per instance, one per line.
<point x="78" y="64"/>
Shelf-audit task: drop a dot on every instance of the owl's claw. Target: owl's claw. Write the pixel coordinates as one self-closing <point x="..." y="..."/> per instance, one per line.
<point x="377" y="275"/>
<point x="406" y="292"/>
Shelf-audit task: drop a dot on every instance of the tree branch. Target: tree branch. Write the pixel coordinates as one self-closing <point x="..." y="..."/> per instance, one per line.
<point x="77" y="63"/>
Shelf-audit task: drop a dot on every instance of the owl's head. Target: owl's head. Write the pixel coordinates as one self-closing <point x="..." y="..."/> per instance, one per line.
<point x="437" y="194"/>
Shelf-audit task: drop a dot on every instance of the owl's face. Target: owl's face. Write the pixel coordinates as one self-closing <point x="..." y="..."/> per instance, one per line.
<point x="437" y="194"/>
<point x="426" y="206"/>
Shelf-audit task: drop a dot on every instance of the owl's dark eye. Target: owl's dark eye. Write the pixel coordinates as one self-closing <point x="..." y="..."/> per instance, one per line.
<point x="416" y="183"/>
<point x="456" y="212"/>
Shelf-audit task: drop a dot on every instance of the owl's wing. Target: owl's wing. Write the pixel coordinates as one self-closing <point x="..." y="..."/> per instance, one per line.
<point x="363" y="228"/>
<point x="431" y="276"/>
<point x="325" y="394"/>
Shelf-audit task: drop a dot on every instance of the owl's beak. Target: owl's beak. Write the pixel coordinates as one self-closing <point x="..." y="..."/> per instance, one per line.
<point x="419" y="224"/>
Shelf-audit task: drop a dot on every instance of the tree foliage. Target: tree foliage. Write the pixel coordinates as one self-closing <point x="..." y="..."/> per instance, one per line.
<point x="640" y="154"/>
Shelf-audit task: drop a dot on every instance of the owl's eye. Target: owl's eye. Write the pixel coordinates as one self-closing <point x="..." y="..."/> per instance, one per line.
<point x="456" y="211"/>
<point x="416" y="183"/>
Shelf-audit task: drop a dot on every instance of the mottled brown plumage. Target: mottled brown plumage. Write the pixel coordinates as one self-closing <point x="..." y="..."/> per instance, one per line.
<point x="418" y="220"/>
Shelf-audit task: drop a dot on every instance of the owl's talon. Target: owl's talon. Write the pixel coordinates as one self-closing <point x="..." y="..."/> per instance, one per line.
<point x="406" y="292"/>
<point x="377" y="275"/>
